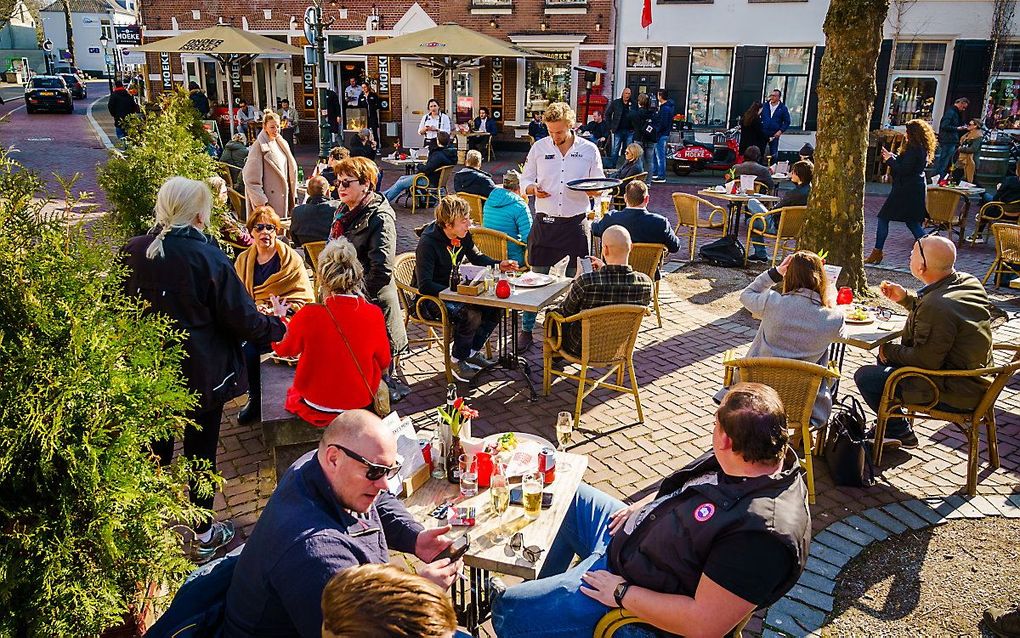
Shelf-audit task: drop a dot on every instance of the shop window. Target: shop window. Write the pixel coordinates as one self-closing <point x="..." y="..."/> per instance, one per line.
<point x="912" y="98"/>
<point x="338" y="43"/>
<point x="920" y="56"/>
<point x="1004" y="108"/>
<point x="1009" y="59"/>
<point x="488" y="4"/>
<point x="788" y="71"/>
<point x="709" y="97"/>
<point x="547" y="81"/>
<point x="644" y="57"/>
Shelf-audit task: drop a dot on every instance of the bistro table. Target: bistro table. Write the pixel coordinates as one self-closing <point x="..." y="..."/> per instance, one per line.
<point x="407" y="164"/>
<point x="866" y="337"/>
<point x="522" y="300"/>
<point x="777" y="180"/>
<point x="736" y="203"/>
<point x="472" y="599"/>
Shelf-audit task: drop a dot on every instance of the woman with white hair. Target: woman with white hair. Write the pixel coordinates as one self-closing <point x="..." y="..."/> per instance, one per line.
<point x="364" y="145"/>
<point x="182" y="273"/>
<point x="270" y="172"/>
<point x="343" y="343"/>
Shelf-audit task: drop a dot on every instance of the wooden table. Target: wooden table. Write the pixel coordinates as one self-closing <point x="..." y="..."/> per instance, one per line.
<point x="736" y="202"/>
<point x="866" y="337"/>
<point x="472" y="599"/>
<point x="522" y="300"/>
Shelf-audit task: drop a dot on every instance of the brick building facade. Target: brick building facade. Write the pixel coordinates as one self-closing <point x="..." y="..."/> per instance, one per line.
<point x="567" y="32"/>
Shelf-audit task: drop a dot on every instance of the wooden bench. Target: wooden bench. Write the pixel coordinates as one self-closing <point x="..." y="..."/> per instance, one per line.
<point x="286" y="436"/>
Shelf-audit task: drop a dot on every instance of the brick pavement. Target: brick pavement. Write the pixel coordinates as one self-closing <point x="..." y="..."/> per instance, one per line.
<point x="678" y="369"/>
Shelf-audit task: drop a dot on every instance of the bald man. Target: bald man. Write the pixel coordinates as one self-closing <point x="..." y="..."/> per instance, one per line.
<point x="611" y="282"/>
<point x="330" y="511"/>
<point x="947" y="328"/>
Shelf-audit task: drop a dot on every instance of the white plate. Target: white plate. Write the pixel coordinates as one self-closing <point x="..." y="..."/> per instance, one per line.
<point x="525" y="457"/>
<point x="534" y="280"/>
<point x="781" y="175"/>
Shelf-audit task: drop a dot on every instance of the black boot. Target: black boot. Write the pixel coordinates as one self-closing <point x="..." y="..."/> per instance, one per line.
<point x="251" y="412"/>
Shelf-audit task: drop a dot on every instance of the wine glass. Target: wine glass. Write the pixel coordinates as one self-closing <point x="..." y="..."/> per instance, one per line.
<point x="564" y="429"/>
<point x="499" y="497"/>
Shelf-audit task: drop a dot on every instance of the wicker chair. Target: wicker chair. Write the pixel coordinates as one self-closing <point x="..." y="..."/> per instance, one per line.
<point x="1008" y="212"/>
<point x="477" y="204"/>
<point x="647" y="258"/>
<point x="238" y="203"/>
<point x="608" y="334"/>
<point x="411" y="302"/>
<point x="945" y="208"/>
<point x="495" y="244"/>
<point x="224" y="170"/>
<point x="617" y="192"/>
<point x="791" y="222"/>
<point x="312" y="249"/>
<point x="609" y="624"/>
<point x="797" y="383"/>
<point x="1007" y="252"/>
<point x="688" y="219"/>
<point x="421" y="191"/>
<point x="968" y="422"/>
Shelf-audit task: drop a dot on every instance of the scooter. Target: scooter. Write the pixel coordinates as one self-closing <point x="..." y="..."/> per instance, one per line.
<point x="689" y="155"/>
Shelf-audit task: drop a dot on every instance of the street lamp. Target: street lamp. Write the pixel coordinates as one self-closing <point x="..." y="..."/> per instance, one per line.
<point x="47" y="47"/>
<point x="104" y="41"/>
<point x="314" y="26"/>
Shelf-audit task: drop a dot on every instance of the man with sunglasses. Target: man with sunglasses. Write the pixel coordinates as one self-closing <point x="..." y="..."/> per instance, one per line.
<point x="330" y="511"/>
<point x="725" y="535"/>
<point x="948" y="328"/>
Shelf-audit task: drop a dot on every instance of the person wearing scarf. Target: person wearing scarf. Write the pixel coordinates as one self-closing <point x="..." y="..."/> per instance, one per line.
<point x="271" y="272"/>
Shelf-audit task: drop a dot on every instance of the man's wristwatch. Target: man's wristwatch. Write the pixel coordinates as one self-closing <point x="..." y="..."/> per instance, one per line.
<point x="620" y="592"/>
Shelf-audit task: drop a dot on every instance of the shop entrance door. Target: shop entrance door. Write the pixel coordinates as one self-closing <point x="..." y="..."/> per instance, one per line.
<point x="416" y="89"/>
<point x="272" y="83"/>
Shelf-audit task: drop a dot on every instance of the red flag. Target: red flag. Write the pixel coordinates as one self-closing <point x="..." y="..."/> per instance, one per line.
<point x="646" y="15"/>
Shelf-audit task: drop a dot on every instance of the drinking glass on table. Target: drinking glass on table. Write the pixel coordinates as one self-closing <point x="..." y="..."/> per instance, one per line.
<point x="468" y="475"/>
<point x="499" y="497"/>
<point x="532" y="495"/>
<point x="564" y="429"/>
<point x="438" y="457"/>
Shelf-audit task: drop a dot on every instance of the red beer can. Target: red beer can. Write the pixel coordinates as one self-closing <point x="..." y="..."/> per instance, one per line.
<point x="547" y="464"/>
<point x="426" y="451"/>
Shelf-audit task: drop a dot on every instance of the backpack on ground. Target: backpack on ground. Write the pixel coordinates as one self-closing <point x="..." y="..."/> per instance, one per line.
<point x="727" y="252"/>
<point x="846" y="450"/>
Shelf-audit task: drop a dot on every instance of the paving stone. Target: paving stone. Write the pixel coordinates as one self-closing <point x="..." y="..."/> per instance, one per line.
<point x="921" y="509"/>
<point x="772" y="633"/>
<point x="968" y="510"/>
<point x="1015" y="500"/>
<point x="983" y="505"/>
<point x="829" y="555"/>
<point x="946" y="507"/>
<point x="903" y="515"/>
<point x="816" y="582"/>
<point x="838" y="543"/>
<point x="840" y="528"/>
<point x="783" y="622"/>
<point x="816" y="599"/>
<point x="807" y="617"/>
<point x="821" y="568"/>
<point x="1007" y="508"/>
<point x="864" y="525"/>
<point x="876" y="515"/>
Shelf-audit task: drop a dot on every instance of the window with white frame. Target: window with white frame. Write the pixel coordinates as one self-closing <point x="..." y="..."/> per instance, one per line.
<point x="709" y="94"/>
<point x="917" y="71"/>
<point x="788" y="70"/>
<point x="547" y="80"/>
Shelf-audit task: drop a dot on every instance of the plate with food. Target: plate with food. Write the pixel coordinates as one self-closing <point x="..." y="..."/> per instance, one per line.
<point x="522" y="450"/>
<point x="859" y="315"/>
<point x="533" y="280"/>
<point x="593" y="184"/>
<point x="780" y="175"/>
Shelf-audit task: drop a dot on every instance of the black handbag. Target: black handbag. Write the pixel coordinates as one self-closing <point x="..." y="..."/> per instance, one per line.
<point x="846" y="451"/>
<point x="727" y="252"/>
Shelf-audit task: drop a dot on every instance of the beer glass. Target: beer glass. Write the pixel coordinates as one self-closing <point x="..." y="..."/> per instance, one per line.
<point x="564" y="428"/>
<point x="532" y="495"/>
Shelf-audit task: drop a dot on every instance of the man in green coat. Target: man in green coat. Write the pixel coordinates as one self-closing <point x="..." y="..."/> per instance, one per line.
<point x="948" y="328"/>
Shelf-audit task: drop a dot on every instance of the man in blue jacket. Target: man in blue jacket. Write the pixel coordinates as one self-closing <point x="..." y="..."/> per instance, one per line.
<point x="950" y="127"/>
<point x="775" y="119"/>
<point x="645" y="227"/>
<point x="663" y="125"/>
<point x="330" y="511"/>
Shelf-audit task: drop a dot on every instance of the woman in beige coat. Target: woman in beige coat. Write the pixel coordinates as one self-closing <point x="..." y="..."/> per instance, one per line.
<point x="270" y="172"/>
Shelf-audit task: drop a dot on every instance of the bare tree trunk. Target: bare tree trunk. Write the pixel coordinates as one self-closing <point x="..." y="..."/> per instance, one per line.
<point x="70" y="29"/>
<point x="846" y="96"/>
<point x="1002" y="27"/>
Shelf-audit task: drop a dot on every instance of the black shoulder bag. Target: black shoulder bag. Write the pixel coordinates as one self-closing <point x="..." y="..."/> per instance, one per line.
<point x="846" y="451"/>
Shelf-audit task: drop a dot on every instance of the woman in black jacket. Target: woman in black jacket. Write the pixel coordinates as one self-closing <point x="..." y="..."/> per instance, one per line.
<point x="906" y="201"/>
<point x="183" y="274"/>
<point x="363" y="145"/>
<point x="369" y="101"/>
<point x="642" y="122"/>
<point x="751" y="132"/>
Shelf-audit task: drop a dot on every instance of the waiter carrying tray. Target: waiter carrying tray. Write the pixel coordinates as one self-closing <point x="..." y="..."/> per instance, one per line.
<point x="554" y="161"/>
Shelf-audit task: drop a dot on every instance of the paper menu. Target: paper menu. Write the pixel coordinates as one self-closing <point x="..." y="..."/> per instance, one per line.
<point x="408" y="450"/>
<point x="833" y="272"/>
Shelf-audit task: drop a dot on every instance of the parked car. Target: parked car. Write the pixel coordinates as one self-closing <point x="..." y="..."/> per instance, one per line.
<point x="48" y="92"/>
<point x="78" y="90"/>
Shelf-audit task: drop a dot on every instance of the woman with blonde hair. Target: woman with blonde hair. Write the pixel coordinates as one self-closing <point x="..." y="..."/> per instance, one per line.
<point x="906" y="201"/>
<point x="182" y="273"/>
<point x="632" y="164"/>
<point x="798" y="323"/>
<point x="270" y="172"/>
<point x="343" y="344"/>
<point x="274" y="275"/>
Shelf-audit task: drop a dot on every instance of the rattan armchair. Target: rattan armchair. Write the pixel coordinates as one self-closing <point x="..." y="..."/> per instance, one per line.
<point x="647" y="258"/>
<point x="614" y="619"/>
<point x="496" y="244"/>
<point x="945" y="209"/>
<point x="238" y="203"/>
<point x="797" y="383"/>
<point x="1007" y="252"/>
<point x="224" y="170"/>
<point x="689" y="220"/>
<point x="617" y="192"/>
<point x="413" y="303"/>
<point x="1006" y="212"/>
<point x="969" y="422"/>
<point x="786" y="239"/>
<point x="422" y="191"/>
<point x="608" y="334"/>
<point x="477" y="205"/>
<point x="312" y="249"/>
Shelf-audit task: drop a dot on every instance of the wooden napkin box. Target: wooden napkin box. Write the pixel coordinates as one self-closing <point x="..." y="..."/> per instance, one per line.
<point x="471" y="291"/>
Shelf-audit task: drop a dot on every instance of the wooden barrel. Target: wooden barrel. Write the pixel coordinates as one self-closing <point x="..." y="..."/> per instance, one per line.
<point x="992" y="163"/>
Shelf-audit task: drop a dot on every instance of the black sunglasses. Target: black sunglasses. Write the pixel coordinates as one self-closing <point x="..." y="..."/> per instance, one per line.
<point x="530" y="553"/>
<point x="920" y="246"/>
<point x="346" y="183"/>
<point x="261" y="227"/>
<point x="375" y="471"/>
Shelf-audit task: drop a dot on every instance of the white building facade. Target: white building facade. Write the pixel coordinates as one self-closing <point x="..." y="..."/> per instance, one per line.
<point x="716" y="57"/>
<point x="90" y="21"/>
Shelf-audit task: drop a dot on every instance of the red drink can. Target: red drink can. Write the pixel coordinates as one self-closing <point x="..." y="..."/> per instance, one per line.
<point x="426" y="451"/>
<point x="547" y="464"/>
<point x="845" y="296"/>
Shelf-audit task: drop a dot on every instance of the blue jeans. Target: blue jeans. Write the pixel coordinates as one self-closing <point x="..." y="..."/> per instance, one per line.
<point x="472" y="325"/>
<point x="771" y="224"/>
<point x="649" y="160"/>
<point x="620" y="141"/>
<point x="120" y="131"/>
<point x="870" y="380"/>
<point x="402" y="184"/>
<point x="773" y="148"/>
<point x="554" y="605"/>
<point x="944" y="155"/>
<point x="883" y="231"/>
<point x="660" y="157"/>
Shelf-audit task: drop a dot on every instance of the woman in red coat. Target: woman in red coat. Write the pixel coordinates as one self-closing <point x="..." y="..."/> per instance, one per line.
<point x="335" y="374"/>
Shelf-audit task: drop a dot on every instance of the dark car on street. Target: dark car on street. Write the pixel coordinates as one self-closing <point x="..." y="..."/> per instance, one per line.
<point x="48" y="92"/>
<point x="78" y="90"/>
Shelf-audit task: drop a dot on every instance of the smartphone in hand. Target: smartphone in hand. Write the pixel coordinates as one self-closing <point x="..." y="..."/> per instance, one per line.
<point x="456" y="549"/>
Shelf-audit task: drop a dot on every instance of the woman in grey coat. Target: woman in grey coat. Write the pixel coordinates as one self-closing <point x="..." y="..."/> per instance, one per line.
<point x="799" y="323"/>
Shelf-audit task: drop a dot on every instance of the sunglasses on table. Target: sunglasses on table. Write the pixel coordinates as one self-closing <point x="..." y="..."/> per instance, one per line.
<point x="261" y="227"/>
<point x="375" y="471"/>
<point x="531" y="553"/>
